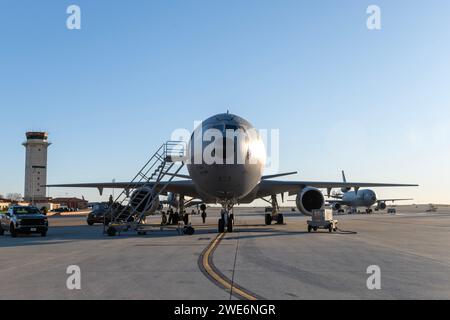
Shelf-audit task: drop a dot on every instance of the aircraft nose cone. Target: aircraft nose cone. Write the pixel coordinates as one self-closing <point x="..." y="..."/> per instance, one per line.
<point x="371" y="197"/>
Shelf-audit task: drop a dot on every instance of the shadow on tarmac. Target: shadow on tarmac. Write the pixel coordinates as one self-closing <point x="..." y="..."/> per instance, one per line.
<point x="64" y="234"/>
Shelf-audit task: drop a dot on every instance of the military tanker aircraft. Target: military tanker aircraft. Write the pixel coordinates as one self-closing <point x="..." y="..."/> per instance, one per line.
<point x="228" y="170"/>
<point x="364" y="198"/>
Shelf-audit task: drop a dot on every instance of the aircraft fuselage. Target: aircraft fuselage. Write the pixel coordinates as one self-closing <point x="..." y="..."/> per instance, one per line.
<point x="363" y="198"/>
<point x="224" y="167"/>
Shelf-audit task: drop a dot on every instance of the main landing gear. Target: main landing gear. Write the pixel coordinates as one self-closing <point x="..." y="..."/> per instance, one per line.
<point x="275" y="215"/>
<point x="278" y="218"/>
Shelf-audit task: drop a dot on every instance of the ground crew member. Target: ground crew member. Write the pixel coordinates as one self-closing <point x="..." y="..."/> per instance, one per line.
<point x="170" y="216"/>
<point x="163" y="218"/>
<point x="185" y="218"/>
<point x="204" y="216"/>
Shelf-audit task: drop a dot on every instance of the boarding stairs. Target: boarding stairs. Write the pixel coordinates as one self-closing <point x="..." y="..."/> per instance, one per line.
<point x="141" y="196"/>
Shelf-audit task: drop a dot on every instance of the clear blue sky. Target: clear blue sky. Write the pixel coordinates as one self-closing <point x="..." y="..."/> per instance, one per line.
<point x="375" y="103"/>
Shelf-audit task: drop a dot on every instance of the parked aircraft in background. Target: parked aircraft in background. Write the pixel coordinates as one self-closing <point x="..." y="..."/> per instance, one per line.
<point x="365" y="198"/>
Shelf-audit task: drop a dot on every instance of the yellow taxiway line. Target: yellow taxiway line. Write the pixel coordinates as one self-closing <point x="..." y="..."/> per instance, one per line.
<point x="220" y="279"/>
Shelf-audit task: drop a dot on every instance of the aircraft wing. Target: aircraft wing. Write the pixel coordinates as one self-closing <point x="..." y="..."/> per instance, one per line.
<point x="194" y="203"/>
<point x="387" y="200"/>
<point x="334" y="201"/>
<point x="331" y="196"/>
<point x="265" y="188"/>
<point x="185" y="187"/>
<point x="187" y="204"/>
<point x="270" y="187"/>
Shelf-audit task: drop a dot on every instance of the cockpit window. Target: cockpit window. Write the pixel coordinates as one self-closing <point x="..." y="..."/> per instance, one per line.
<point x="229" y="136"/>
<point x="231" y="127"/>
<point x="217" y="127"/>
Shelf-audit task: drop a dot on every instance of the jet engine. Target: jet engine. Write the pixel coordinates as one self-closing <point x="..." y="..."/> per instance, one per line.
<point x="143" y="200"/>
<point x="309" y="199"/>
<point x="382" y="205"/>
<point x="336" y="206"/>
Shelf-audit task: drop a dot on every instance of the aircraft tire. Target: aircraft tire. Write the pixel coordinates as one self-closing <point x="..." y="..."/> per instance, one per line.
<point x="268" y="219"/>
<point x="230" y="225"/>
<point x="111" y="231"/>
<point x="221" y="226"/>
<point x="189" y="230"/>
<point x="280" y="218"/>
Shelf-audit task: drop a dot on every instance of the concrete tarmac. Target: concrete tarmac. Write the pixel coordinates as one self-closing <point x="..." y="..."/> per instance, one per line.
<point x="411" y="248"/>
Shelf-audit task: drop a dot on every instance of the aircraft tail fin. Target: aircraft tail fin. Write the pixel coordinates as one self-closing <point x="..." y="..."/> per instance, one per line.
<point x="343" y="176"/>
<point x="345" y="189"/>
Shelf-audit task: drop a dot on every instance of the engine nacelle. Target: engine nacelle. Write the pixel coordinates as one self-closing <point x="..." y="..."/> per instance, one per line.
<point x="336" y="206"/>
<point x="309" y="199"/>
<point x="143" y="200"/>
<point x="382" y="205"/>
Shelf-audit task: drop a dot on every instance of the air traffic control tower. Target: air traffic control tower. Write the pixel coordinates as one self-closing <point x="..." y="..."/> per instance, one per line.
<point x="36" y="166"/>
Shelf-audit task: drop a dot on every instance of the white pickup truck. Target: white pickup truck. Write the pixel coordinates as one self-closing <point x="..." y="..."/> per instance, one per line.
<point x="23" y="220"/>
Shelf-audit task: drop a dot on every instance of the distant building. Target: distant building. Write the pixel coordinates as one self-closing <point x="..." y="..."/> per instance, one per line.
<point x="4" y="204"/>
<point x="36" y="166"/>
<point x="72" y="203"/>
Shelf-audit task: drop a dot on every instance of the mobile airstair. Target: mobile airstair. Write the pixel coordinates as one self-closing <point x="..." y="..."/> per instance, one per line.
<point x="141" y="197"/>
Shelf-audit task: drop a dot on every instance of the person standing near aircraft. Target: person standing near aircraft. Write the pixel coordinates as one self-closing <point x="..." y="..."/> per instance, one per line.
<point x="185" y="217"/>
<point x="204" y="216"/>
<point x="170" y="212"/>
<point x="163" y="218"/>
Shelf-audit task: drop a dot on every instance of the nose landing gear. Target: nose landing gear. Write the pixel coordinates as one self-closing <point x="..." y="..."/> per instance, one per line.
<point x="226" y="220"/>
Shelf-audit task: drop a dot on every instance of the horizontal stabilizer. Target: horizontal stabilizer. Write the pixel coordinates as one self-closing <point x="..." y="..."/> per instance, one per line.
<point x="387" y="200"/>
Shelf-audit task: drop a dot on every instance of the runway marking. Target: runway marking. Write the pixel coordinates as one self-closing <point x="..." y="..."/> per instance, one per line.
<point x="207" y="265"/>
